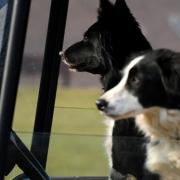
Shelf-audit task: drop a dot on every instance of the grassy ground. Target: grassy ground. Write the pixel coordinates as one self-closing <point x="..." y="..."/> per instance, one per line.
<point x="76" y="146"/>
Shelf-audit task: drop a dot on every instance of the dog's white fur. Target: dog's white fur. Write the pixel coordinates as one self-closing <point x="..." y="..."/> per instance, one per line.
<point x="162" y="126"/>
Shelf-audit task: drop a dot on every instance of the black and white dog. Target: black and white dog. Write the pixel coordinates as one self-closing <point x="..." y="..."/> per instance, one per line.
<point x="105" y="50"/>
<point x="150" y="91"/>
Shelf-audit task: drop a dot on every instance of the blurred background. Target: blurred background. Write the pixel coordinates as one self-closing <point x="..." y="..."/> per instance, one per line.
<point x="77" y="143"/>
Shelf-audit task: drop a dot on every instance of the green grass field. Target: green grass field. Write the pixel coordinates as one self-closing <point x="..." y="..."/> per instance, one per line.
<point x="78" y="132"/>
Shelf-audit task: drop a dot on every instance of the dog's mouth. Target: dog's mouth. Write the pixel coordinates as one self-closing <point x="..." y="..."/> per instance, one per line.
<point x="120" y="116"/>
<point x="71" y="66"/>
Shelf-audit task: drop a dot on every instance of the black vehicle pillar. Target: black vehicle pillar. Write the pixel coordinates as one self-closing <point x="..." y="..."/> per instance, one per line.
<point x="49" y="79"/>
<point x="15" y="47"/>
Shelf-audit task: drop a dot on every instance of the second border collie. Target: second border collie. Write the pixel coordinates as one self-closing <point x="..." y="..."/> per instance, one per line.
<point x="150" y="91"/>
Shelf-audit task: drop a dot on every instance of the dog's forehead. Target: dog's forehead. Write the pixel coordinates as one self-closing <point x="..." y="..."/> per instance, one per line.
<point x="133" y="63"/>
<point x="146" y="65"/>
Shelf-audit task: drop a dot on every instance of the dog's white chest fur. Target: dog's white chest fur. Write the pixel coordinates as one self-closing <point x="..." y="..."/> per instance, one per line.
<point x="163" y="151"/>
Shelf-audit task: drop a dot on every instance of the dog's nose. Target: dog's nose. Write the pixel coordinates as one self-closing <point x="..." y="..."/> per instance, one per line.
<point x="101" y="104"/>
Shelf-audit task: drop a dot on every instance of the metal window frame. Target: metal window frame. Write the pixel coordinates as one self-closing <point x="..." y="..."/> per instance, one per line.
<point x="12" y="149"/>
<point x="13" y="61"/>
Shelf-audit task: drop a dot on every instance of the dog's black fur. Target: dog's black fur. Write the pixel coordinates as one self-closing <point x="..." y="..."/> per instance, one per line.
<point x="105" y="50"/>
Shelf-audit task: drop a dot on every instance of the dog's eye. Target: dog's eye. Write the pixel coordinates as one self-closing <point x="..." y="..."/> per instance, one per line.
<point x="135" y="81"/>
<point x="85" y="38"/>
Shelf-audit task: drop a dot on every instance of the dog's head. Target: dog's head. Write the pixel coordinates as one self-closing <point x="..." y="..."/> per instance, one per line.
<point x="114" y="36"/>
<point x="149" y="81"/>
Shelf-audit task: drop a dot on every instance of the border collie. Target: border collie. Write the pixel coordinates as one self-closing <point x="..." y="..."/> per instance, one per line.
<point x="150" y="91"/>
<point x="104" y="50"/>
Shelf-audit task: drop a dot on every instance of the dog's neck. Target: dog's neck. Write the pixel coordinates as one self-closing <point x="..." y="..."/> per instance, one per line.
<point x="160" y="123"/>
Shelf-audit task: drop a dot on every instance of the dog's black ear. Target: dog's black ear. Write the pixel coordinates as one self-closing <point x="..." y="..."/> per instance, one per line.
<point x="120" y="4"/>
<point x="111" y="14"/>
<point x="123" y="8"/>
<point x="106" y="8"/>
<point x="169" y="64"/>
